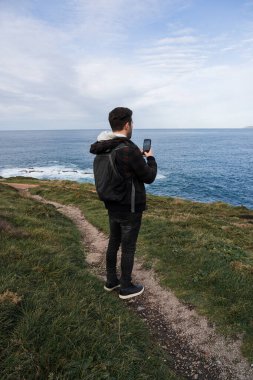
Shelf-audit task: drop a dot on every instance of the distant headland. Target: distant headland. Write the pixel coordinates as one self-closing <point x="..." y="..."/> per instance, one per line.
<point x="250" y="126"/>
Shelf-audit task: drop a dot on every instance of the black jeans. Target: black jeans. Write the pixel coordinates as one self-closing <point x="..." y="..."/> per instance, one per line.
<point x="124" y="230"/>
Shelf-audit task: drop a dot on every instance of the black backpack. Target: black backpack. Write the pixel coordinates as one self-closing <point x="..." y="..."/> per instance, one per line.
<point x="110" y="185"/>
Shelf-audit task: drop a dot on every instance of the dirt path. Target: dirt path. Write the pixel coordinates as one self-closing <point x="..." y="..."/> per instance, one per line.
<point x="197" y="350"/>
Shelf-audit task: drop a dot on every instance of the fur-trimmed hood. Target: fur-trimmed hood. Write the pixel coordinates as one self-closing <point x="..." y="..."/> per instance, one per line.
<point x="106" y="135"/>
<point x="106" y="141"/>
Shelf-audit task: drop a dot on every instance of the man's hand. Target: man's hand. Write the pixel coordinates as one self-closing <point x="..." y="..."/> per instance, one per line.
<point x="149" y="153"/>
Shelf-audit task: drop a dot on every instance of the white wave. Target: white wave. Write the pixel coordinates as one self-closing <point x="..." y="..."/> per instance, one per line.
<point x="49" y="172"/>
<point x="54" y="172"/>
<point x="160" y="176"/>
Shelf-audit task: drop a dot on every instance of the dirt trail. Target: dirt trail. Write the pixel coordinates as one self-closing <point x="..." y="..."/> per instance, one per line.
<point x="197" y="350"/>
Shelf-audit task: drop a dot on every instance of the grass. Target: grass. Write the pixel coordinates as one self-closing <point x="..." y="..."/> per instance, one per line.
<point x="56" y="320"/>
<point x="204" y="252"/>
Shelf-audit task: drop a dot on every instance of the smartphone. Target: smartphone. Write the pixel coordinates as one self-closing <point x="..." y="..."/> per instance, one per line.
<point x="146" y="145"/>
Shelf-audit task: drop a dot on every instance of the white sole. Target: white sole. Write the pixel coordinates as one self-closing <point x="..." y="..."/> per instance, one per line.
<point x="131" y="295"/>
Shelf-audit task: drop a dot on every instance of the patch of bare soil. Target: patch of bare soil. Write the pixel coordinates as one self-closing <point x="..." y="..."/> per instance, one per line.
<point x="20" y="186"/>
<point x="197" y="350"/>
<point x="11" y="297"/>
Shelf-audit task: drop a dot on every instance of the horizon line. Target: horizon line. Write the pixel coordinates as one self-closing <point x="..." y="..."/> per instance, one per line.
<point x="140" y="129"/>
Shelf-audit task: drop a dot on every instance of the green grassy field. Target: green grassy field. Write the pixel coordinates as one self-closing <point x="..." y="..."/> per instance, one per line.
<point x="204" y="252"/>
<point x="56" y="320"/>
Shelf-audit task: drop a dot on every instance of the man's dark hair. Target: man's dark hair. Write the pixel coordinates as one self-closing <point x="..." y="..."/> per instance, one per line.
<point x="118" y="117"/>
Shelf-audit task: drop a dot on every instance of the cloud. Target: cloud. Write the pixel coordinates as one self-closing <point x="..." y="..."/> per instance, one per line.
<point x="213" y="97"/>
<point x="174" y="55"/>
<point x="34" y="70"/>
<point x="109" y="53"/>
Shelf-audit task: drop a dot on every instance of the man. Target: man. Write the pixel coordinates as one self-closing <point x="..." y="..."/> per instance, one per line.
<point x="125" y="215"/>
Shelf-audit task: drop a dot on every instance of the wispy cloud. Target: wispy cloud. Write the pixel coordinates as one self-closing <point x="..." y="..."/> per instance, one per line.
<point x="174" y="55"/>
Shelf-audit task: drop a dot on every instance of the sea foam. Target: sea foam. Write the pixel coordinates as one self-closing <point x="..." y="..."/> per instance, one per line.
<point x="160" y="176"/>
<point x="59" y="172"/>
<point x="49" y="172"/>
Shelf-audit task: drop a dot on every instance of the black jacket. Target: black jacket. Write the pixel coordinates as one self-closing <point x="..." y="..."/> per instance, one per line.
<point x="131" y="165"/>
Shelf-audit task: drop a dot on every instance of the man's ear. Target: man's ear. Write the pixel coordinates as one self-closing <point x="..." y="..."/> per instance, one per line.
<point x="126" y="126"/>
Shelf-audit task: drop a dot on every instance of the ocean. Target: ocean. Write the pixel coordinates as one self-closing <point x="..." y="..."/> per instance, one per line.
<point x="204" y="165"/>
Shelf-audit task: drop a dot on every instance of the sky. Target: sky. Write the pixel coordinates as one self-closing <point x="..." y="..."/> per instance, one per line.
<point x="64" y="64"/>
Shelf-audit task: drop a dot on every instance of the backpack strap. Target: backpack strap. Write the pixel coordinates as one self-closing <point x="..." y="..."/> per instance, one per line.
<point x="133" y="197"/>
<point x="114" y="168"/>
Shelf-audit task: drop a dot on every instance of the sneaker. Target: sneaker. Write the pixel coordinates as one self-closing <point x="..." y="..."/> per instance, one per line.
<point x="131" y="291"/>
<point x="109" y="286"/>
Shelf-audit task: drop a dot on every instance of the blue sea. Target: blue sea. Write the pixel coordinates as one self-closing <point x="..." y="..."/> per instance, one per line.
<point x="204" y="165"/>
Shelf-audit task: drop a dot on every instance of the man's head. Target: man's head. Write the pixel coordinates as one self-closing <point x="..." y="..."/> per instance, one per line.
<point x="120" y="119"/>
